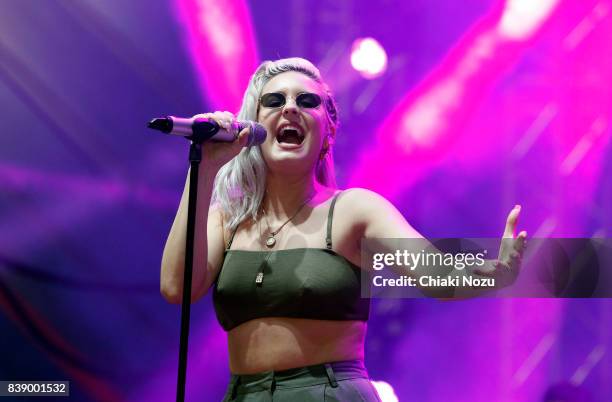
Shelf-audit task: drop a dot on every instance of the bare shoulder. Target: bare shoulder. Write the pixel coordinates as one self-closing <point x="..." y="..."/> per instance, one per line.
<point x="377" y="215"/>
<point x="216" y="214"/>
<point x="368" y="195"/>
<point x="361" y="200"/>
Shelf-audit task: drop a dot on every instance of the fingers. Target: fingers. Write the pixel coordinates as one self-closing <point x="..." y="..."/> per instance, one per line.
<point x="224" y="119"/>
<point x="512" y="248"/>
<point x="520" y="243"/>
<point x="243" y="137"/>
<point x="512" y="221"/>
<point x="486" y="270"/>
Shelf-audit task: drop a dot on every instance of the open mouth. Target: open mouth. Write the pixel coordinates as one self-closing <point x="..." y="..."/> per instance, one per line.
<point x="290" y="135"/>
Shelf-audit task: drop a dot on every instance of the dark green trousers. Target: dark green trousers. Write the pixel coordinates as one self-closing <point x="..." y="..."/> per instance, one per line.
<point x="345" y="381"/>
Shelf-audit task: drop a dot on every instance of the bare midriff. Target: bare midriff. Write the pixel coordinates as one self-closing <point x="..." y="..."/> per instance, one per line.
<point x="280" y="343"/>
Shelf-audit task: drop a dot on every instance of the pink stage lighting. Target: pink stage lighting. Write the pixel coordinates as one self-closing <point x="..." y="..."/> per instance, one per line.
<point x="217" y="33"/>
<point x="521" y="18"/>
<point x="385" y="391"/>
<point x="368" y="57"/>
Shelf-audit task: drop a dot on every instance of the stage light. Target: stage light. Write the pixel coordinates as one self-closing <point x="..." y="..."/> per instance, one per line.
<point x="521" y="18"/>
<point x="368" y="57"/>
<point x="385" y="391"/>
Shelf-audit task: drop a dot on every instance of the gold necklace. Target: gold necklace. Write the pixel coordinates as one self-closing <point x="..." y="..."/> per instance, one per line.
<point x="271" y="241"/>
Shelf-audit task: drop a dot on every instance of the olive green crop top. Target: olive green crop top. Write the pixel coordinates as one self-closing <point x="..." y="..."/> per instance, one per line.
<point x="300" y="283"/>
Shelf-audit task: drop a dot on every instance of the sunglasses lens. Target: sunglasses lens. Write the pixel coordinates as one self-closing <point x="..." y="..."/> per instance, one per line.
<point x="308" y="100"/>
<point x="273" y="100"/>
<point x="305" y="100"/>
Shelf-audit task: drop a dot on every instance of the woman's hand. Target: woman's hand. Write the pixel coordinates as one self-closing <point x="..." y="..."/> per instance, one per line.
<point x="217" y="154"/>
<point x="506" y="268"/>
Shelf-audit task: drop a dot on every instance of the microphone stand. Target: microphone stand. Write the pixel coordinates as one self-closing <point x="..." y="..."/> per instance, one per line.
<point x="195" y="157"/>
<point x="200" y="130"/>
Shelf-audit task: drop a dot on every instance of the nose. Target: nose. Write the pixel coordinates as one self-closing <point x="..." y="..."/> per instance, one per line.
<point x="290" y="107"/>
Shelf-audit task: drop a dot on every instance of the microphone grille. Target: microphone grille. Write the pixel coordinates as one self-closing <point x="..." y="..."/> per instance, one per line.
<point x="257" y="134"/>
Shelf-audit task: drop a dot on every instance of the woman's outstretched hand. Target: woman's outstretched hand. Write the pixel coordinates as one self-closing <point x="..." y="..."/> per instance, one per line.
<point x="506" y="268"/>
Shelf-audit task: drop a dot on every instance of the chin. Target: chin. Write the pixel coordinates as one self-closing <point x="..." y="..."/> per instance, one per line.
<point x="291" y="164"/>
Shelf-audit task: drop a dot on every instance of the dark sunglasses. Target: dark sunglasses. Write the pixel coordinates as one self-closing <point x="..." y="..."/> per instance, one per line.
<point x="304" y="100"/>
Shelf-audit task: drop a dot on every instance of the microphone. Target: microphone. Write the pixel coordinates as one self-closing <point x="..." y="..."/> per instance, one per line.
<point x="202" y="129"/>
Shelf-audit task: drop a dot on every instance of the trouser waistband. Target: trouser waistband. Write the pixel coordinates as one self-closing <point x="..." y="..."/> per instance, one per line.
<point x="298" y="377"/>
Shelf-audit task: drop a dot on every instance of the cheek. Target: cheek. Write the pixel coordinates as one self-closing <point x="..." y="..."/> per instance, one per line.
<point x="318" y="121"/>
<point x="262" y="117"/>
<point x="322" y="128"/>
<point x="268" y="122"/>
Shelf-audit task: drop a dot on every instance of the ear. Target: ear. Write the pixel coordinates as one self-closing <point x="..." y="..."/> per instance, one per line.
<point x="330" y="138"/>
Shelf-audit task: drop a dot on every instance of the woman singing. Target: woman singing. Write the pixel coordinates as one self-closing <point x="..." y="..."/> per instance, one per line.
<point x="282" y="246"/>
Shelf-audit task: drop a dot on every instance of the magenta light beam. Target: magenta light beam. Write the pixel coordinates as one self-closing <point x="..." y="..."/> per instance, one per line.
<point x="423" y="128"/>
<point x="219" y="37"/>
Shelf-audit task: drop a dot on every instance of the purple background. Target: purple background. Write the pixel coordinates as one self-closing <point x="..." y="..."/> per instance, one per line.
<point x="465" y="123"/>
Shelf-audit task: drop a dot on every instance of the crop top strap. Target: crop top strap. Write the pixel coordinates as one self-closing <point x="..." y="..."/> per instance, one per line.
<point x="229" y="244"/>
<point x="330" y="218"/>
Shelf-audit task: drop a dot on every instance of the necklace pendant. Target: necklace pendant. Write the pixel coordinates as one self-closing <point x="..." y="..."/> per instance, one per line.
<point x="271" y="241"/>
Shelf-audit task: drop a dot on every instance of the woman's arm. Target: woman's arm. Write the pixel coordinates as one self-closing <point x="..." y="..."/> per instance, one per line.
<point x="380" y="220"/>
<point x="209" y="229"/>
<point x="208" y="245"/>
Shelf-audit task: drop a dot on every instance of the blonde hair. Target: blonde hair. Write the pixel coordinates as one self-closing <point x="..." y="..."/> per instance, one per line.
<point x="240" y="184"/>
